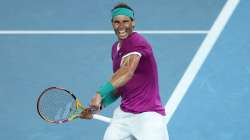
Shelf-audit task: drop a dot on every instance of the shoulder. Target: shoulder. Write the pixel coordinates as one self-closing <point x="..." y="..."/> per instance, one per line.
<point x="137" y="43"/>
<point x="138" y="40"/>
<point x="113" y="50"/>
<point x="114" y="45"/>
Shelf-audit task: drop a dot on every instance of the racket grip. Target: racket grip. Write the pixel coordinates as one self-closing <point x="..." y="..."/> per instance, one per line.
<point x="101" y="118"/>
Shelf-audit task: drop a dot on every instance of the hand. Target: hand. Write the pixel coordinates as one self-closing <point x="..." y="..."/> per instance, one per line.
<point x="87" y="113"/>
<point x="95" y="103"/>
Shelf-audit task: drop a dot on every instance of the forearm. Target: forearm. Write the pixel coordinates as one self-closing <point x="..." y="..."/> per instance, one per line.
<point x="109" y="99"/>
<point x="121" y="77"/>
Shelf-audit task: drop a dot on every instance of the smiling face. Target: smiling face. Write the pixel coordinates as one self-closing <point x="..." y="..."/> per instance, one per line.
<point x="123" y="26"/>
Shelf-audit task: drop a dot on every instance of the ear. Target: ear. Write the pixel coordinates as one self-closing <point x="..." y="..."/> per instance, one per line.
<point x="133" y="23"/>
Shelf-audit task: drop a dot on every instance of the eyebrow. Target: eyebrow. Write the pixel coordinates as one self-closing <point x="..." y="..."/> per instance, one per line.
<point x="124" y="20"/>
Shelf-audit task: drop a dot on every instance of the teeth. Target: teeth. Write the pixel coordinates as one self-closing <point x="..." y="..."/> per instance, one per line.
<point x="121" y="31"/>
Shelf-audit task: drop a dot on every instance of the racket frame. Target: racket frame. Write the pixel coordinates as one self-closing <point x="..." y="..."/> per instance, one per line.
<point x="74" y="116"/>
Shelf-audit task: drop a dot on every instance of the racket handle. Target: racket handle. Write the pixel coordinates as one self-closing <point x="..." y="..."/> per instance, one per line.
<point x="102" y="118"/>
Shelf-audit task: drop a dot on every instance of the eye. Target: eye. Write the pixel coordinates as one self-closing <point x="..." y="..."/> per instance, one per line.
<point x="126" y="21"/>
<point x="116" y="22"/>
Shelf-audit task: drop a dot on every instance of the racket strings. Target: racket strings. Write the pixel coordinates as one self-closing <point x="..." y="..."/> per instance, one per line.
<point x="57" y="105"/>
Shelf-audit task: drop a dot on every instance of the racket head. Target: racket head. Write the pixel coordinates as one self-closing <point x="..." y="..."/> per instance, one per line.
<point x="58" y="105"/>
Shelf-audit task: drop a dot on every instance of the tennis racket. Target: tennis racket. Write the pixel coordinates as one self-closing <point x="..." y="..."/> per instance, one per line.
<point x="58" y="105"/>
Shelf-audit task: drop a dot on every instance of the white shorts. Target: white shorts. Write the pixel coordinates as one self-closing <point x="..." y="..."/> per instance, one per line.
<point x="143" y="126"/>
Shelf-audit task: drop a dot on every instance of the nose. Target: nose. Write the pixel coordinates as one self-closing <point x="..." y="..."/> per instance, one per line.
<point x="121" y="25"/>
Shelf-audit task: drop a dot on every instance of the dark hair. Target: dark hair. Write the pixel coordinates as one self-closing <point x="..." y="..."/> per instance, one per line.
<point x="122" y="5"/>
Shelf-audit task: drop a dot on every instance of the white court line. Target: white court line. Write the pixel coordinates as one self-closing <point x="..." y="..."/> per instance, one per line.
<point x="199" y="58"/>
<point x="94" y="32"/>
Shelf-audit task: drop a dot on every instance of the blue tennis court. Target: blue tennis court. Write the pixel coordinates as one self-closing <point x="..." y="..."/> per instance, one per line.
<point x="68" y="44"/>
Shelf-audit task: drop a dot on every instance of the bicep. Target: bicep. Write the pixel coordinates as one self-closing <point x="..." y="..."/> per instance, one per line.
<point x="126" y="70"/>
<point x="130" y="62"/>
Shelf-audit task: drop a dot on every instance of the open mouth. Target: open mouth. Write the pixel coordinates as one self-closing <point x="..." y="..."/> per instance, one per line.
<point x="122" y="34"/>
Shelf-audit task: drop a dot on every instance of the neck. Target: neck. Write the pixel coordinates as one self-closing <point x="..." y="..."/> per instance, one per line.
<point x="120" y="41"/>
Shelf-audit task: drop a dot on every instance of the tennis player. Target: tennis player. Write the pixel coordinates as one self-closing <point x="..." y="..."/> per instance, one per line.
<point x="140" y="115"/>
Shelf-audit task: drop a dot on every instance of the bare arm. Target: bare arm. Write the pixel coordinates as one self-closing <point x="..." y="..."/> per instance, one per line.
<point x="126" y="71"/>
<point x="120" y="77"/>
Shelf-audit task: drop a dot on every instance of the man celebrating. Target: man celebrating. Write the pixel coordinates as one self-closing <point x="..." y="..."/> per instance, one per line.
<point x="141" y="114"/>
